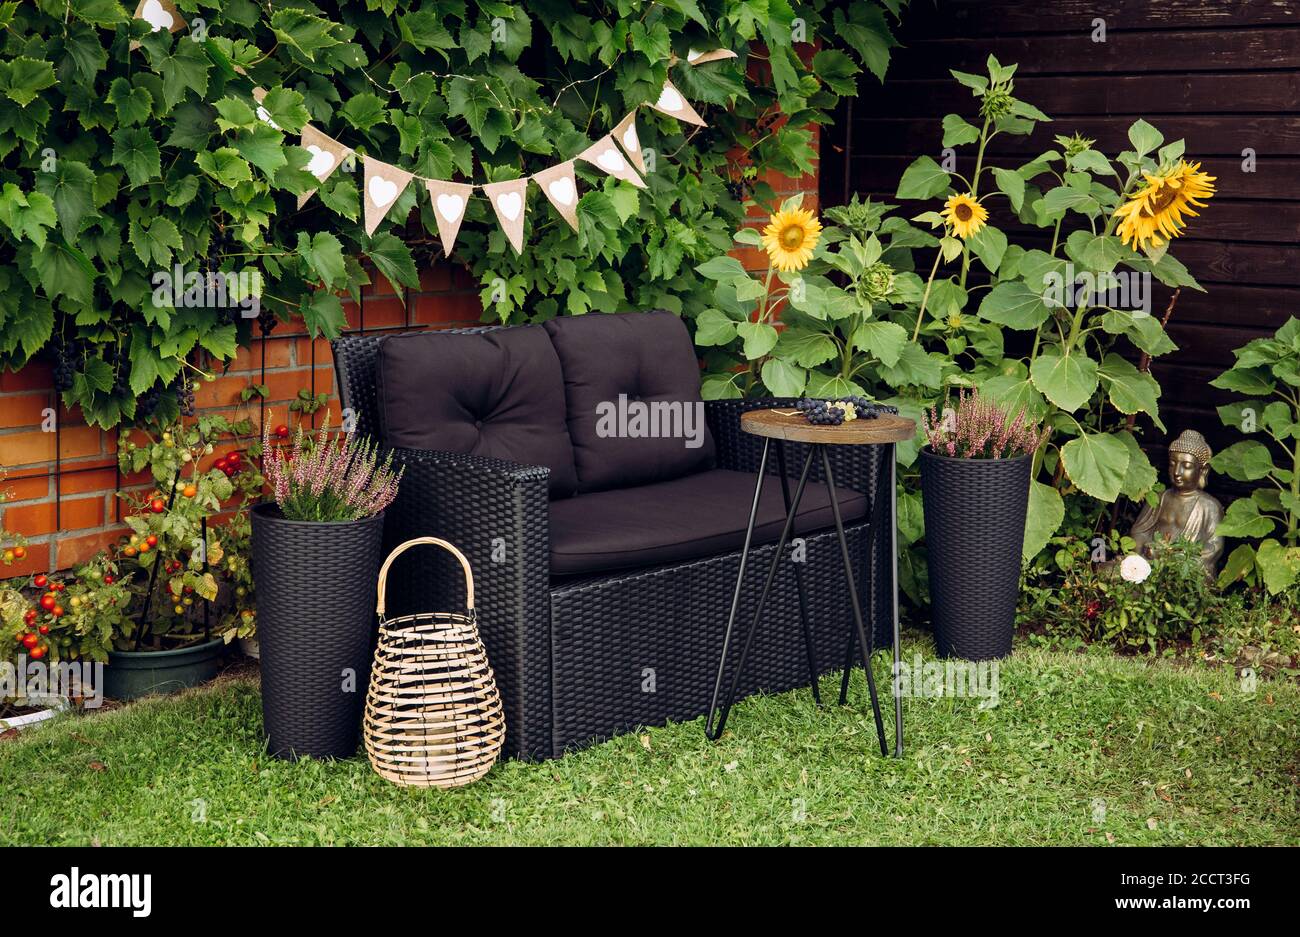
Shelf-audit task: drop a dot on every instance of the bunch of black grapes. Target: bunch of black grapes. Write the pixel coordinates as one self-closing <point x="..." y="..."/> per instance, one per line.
<point x="833" y="412"/>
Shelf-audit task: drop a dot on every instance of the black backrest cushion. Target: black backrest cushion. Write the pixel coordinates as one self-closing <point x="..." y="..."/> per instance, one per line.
<point x="497" y="393"/>
<point x="657" y="432"/>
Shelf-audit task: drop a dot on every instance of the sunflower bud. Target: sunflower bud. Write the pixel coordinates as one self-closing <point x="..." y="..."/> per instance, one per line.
<point x="997" y="101"/>
<point x="877" y="282"/>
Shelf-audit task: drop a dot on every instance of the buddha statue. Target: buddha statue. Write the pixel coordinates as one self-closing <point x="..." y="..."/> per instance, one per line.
<point x="1186" y="511"/>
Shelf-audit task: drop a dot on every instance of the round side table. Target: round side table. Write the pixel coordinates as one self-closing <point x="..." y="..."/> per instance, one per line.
<point x="784" y="425"/>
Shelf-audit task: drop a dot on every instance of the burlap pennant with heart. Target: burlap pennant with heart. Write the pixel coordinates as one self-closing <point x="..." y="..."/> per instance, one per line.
<point x="603" y="154"/>
<point x="509" y="203"/>
<point x="694" y="57"/>
<point x="626" y="135"/>
<point x="159" y="14"/>
<point x="382" y="184"/>
<point x="561" y="188"/>
<point x="673" y="104"/>
<point x="327" y="154"/>
<point x="450" y="199"/>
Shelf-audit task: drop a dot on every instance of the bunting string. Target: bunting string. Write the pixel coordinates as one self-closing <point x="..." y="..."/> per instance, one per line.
<point x="617" y="153"/>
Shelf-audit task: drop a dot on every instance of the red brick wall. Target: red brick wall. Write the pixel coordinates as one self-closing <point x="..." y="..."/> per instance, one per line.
<point x="85" y="521"/>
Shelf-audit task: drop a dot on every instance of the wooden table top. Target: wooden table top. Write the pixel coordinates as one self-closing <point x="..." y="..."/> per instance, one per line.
<point x="793" y="426"/>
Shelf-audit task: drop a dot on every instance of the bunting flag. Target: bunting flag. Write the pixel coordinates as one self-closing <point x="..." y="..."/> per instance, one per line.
<point x="625" y="133"/>
<point x="699" y="58"/>
<point x="605" y="155"/>
<point x="508" y="202"/>
<point x="449" y="200"/>
<point x="159" y="14"/>
<point x="326" y="155"/>
<point x="381" y="186"/>
<point x="561" y="188"/>
<point x="673" y="104"/>
<point x="259" y="95"/>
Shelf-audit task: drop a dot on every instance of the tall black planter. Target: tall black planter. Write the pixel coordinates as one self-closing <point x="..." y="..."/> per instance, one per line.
<point x="974" y="530"/>
<point x="315" y="625"/>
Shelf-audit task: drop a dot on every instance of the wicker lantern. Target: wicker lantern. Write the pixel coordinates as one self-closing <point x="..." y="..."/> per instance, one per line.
<point x="433" y="713"/>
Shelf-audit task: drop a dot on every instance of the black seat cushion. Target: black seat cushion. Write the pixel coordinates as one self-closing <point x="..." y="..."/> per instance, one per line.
<point x="497" y="394"/>
<point x="685" y="518"/>
<point x="656" y="431"/>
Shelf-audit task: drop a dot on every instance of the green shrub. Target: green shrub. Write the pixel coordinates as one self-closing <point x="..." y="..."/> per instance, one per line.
<point x="1268" y="370"/>
<point x="1260" y="632"/>
<point x="120" y="163"/>
<point x="1072" y="597"/>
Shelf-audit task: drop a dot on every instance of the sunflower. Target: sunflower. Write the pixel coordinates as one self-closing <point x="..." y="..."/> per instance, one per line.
<point x="1155" y="212"/>
<point x="964" y="214"/>
<point x="791" y="237"/>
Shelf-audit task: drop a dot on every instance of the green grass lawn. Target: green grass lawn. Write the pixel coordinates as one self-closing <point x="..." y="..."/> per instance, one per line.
<point x="1089" y="749"/>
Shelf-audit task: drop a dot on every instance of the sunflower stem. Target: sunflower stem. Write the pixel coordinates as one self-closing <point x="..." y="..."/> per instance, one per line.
<point x="925" y="297"/>
<point x="974" y="194"/>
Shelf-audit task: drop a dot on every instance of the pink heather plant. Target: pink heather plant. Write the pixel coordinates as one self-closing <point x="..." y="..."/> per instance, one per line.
<point x="338" y="478"/>
<point x="980" y="428"/>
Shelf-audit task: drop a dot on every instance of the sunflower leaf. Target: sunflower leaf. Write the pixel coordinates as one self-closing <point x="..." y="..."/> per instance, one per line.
<point x="1144" y="137"/>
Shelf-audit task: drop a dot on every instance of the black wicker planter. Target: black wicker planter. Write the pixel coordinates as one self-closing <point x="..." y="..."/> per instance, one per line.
<point x="316" y="626"/>
<point x="974" y="529"/>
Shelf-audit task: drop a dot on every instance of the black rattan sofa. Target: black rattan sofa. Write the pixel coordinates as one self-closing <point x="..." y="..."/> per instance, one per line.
<point x="604" y="577"/>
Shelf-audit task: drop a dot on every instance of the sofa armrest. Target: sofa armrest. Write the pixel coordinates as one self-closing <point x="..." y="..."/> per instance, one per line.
<point x="496" y="512"/>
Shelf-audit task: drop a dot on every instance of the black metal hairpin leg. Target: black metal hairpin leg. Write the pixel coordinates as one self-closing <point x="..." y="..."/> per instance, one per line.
<point x="853" y="597"/>
<point x="892" y="454"/>
<point x="710" y="731"/>
<point x="877" y="518"/>
<point x="735" y="596"/>
<point x="798" y="581"/>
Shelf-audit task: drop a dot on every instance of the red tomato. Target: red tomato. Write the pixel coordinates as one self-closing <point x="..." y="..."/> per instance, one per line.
<point x="57" y="611"/>
<point x="30" y="640"/>
<point x="151" y="540"/>
<point x="20" y="552"/>
<point x="37" y="653"/>
<point x="40" y="580"/>
<point x="282" y="431"/>
<point x="44" y="629"/>
<point x="48" y="601"/>
<point x="157" y="505"/>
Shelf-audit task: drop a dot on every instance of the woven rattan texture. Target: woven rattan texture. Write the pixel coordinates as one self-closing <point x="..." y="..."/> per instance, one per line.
<point x="433" y="715"/>
<point x="643" y="649"/>
<point x="496" y="513"/>
<point x="974" y="529"/>
<point x="315" y="624"/>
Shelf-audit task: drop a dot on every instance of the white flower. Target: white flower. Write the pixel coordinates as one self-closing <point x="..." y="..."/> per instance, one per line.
<point x="1135" y="568"/>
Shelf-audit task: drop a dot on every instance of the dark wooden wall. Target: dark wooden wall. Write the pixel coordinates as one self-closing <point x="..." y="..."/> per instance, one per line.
<point x="1224" y="75"/>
